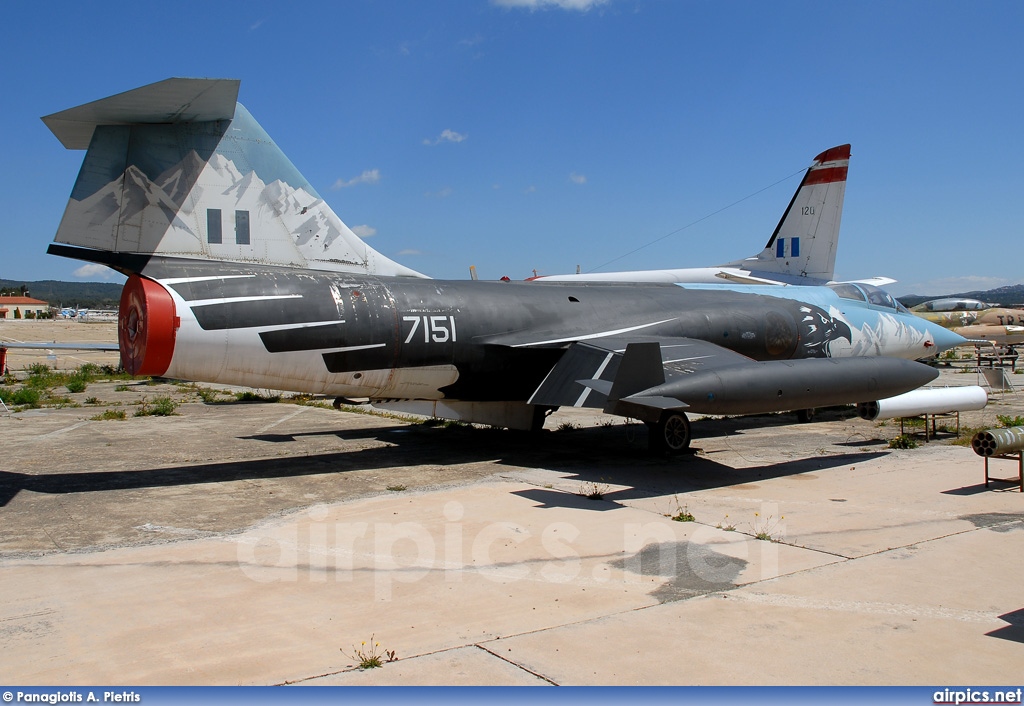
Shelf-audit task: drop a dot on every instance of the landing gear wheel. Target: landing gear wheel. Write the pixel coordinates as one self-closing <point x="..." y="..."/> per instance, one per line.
<point x="671" y="434"/>
<point x="805" y="415"/>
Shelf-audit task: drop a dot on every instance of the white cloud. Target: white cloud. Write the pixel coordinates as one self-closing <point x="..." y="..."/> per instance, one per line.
<point x="446" y="136"/>
<point x="410" y="251"/>
<point x="93" y="270"/>
<point x="530" y="189"/>
<point x="370" y="176"/>
<point x="577" y="178"/>
<point x="364" y="231"/>
<point x="255" y="25"/>
<point x="440" y="194"/>
<point x="531" y="5"/>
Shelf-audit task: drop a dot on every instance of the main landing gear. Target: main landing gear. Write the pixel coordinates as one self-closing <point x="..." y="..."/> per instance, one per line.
<point x="805" y="415"/>
<point x="670" y="434"/>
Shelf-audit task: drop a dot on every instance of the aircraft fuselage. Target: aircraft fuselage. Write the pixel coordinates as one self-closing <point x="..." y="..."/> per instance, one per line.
<point x="410" y="338"/>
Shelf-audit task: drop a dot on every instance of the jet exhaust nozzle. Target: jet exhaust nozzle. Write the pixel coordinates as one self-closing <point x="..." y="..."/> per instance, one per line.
<point x="146" y="327"/>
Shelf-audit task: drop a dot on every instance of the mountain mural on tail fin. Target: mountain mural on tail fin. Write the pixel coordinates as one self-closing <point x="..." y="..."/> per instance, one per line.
<point x="214" y="189"/>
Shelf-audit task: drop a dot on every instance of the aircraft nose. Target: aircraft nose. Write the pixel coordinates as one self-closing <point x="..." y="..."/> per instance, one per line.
<point x="944" y="338"/>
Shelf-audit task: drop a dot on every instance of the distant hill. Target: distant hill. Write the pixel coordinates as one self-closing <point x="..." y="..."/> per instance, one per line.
<point x="87" y="295"/>
<point x="1009" y="296"/>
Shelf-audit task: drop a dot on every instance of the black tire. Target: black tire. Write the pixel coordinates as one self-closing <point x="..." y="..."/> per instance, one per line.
<point x="805" y="415"/>
<point x="671" y="434"/>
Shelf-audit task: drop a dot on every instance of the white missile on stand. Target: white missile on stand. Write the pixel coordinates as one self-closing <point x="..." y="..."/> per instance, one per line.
<point x="931" y="400"/>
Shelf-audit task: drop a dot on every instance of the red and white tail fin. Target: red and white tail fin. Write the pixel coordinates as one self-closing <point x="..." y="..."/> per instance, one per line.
<point x="802" y="250"/>
<point x="804" y="243"/>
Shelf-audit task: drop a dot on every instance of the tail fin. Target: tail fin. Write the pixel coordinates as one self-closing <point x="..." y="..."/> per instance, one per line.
<point x="805" y="240"/>
<point x="179" y="168"/>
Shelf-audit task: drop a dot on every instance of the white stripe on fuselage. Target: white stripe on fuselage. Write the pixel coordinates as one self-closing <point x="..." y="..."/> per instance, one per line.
<point x="587" y="337"/>
<point x="233" y="300"/>
<point x="209" y="278"/>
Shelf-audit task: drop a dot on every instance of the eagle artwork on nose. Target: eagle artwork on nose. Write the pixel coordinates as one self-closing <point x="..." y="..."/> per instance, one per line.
<point x="818" y="330"/>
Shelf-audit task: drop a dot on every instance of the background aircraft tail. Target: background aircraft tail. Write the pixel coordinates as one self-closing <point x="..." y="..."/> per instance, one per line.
<point x="179" y="168"/>
<point x="805" y="240"/>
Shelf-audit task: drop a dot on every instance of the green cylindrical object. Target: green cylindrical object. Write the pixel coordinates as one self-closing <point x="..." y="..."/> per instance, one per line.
<point x="996" y="442"/>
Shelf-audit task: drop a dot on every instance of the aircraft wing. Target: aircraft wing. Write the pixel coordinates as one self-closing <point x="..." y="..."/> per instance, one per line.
<point x="737" y="276"/>
<point x="592" y="371"/>
<point x="62" y="346"/>
<point x="642" y="377"/>
<point x="876" y="281"/>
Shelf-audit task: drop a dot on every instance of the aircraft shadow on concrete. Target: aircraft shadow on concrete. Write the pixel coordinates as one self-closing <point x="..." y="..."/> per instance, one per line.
<point x="1014" y="631"/>
<point x="606" y="455"/>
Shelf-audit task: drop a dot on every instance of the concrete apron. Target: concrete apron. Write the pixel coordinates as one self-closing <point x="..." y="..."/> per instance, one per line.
<point x="890" y="572"/>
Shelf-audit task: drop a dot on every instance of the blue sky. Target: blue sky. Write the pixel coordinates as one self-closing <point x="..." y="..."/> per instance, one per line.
<point x="546" y="134"/>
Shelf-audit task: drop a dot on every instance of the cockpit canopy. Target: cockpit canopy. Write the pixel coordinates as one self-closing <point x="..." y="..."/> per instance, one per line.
<point x="868" y="293"/>
<point x="953" y="304"/>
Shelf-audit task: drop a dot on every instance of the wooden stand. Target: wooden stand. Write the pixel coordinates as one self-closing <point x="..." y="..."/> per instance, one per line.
<point x="1019" y="480"/>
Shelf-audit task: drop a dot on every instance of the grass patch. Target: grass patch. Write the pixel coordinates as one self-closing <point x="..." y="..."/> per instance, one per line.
<point x="307" y="400"/>
<point x="1006" y="420"/>
<point x="593" y="490"/>
<point x="397" y="488"/>
<point x="207" y="395"/>
<point x="23" y="397"/>
<point x="110" y="415"/>
<point x="684" y="515"/>
<point x="76" y="383"/>
<point x="726" y="525"/>
<point x="764" y="528"/>
<point x="903" y="441"/>
<point x="370" y="657"/>
<point x="58" y="401"/>
<point x="158" y="407"/>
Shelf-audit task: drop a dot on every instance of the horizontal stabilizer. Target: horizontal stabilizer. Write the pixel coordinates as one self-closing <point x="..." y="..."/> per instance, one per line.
<point x="174" y="100"/>
<point x="180" y="169"/>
